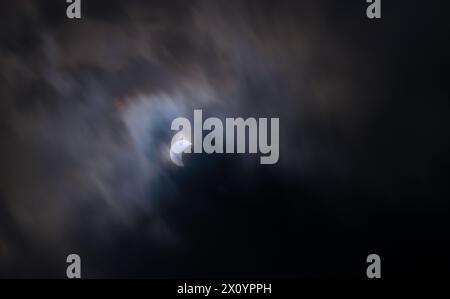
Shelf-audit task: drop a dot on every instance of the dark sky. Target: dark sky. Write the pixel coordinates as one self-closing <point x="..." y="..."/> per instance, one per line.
<point x="85" y="113"/>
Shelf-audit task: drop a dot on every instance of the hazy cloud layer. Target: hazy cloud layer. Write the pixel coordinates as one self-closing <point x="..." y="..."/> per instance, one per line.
<point x="86" y="107"/>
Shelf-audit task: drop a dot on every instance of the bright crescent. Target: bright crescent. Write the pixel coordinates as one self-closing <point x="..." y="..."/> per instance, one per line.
<point x="176" y="151"/>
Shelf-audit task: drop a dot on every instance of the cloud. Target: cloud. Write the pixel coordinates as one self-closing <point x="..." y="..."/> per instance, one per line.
<point x="86" y="111"/>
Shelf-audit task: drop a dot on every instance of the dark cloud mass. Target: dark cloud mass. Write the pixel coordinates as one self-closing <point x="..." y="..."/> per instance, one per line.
<point x="85" y="113"/>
